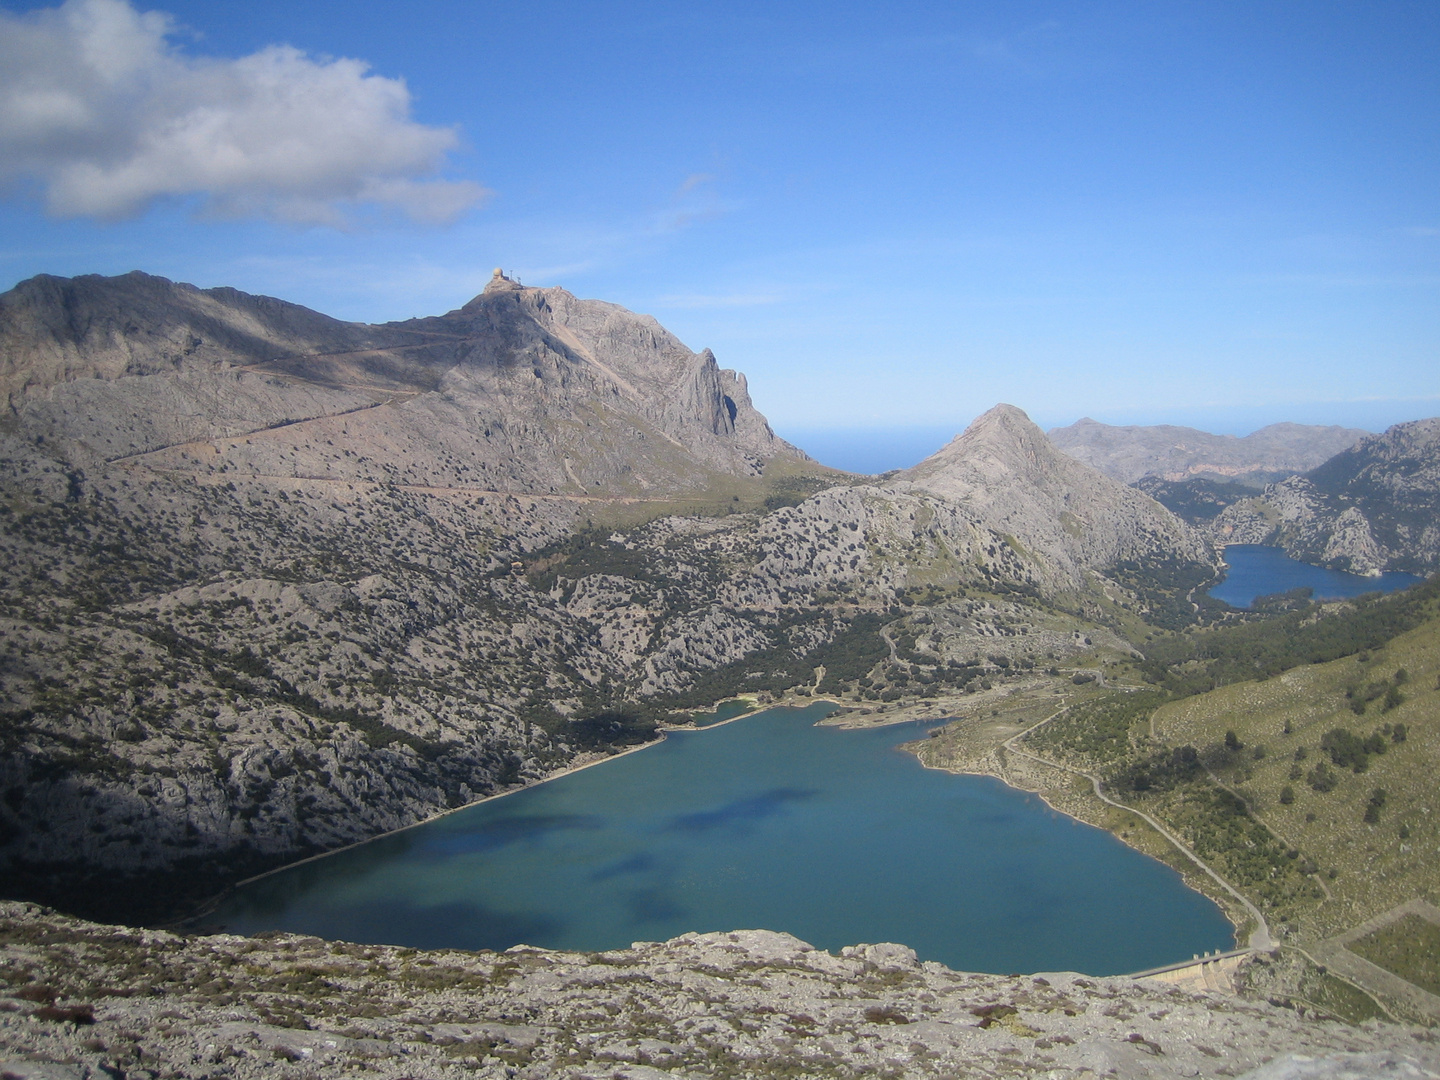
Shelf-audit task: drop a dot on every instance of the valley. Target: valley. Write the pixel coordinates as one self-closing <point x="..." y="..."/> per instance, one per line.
<point x="287" y="634"/>
<point x="277" y="584"/>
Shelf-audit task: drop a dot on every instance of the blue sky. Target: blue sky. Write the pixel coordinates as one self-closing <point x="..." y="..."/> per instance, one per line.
<point x="1218" y="214"/>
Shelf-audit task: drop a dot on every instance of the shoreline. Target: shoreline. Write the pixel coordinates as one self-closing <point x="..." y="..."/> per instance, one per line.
<point x="663" y="731"/>
<point x="846" y="721"/>
<point x="1254" y="920"/>
<point x="1184" y="877"/>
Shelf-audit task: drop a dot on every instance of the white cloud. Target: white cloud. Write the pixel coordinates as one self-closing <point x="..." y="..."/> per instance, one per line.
<point x="99" y="108"/>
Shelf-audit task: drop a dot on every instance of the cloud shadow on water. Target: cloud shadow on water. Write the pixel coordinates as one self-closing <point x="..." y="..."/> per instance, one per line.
<point x="502" y="832"/>
<point x="635" y="864"/>
<point x="738" y="816"/>
<point x="655" y="905"/>
<point x="272" y="896"/>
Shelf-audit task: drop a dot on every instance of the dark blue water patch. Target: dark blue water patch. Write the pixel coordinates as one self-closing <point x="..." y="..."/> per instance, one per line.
<point x="739" y="814"/>
<point x="636" y="864"/>
<point x="500" y="833"/>
<point x="835" y="836"/>
<point x="1257" y="570"/>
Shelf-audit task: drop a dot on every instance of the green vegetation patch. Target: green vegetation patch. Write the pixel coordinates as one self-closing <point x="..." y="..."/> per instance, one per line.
<point x="1219" y="828"/>
<point x="1098" y="729"/>
<point x="1338" y="997"/>
<point x="852" y="653"/>
<point x="591" y="551"/>
<point x="1169" y="589"/>
<point x="1194" y="663"/>
<point x="1408" y="947"/>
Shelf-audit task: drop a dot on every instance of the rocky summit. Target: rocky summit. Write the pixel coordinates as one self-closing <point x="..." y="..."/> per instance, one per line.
<point x="1007" y="473"/>
<point x="521" y="389"/>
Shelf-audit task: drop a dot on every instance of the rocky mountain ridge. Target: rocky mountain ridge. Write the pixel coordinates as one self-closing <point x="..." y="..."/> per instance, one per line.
<point x="1373" y="507"/>
<point x="1169" y="452"/>
<point x="508" y="392"/>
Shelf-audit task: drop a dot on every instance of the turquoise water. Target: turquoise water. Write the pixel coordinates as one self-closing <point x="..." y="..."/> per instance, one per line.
<point x="834" y="836"/>
<point x="1257" y="570"/>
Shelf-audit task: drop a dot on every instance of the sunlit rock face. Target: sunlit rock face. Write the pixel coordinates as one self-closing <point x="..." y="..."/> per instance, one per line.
<point x="1067" y="516"/>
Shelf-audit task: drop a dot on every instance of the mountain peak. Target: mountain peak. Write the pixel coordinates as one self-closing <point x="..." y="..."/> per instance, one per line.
<point x="1002" y="442"/>
<point x="1004" y="469"/>
<point x="1005" y="418"/>
<point x="522" y="389"/>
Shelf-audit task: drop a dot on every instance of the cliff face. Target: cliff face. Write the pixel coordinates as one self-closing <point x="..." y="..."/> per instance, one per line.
<point x="522" y="389"/>
<point x="1373" y="507"/>
<point x="1175" y="453"/>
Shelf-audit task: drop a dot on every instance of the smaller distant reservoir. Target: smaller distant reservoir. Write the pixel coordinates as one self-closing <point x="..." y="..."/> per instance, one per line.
<point x="1258" y="570"/>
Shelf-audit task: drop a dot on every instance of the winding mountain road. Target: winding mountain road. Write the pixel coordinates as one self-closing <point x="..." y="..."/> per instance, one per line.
<point x="1260" y="938"/>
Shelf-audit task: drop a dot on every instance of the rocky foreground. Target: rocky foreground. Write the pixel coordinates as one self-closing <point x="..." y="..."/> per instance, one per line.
<point x="83" y="1000"/>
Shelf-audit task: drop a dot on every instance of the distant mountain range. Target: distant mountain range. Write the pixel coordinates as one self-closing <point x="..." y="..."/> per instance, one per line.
<point x="1331" y="496"/>
<point x="1178" y="454"/>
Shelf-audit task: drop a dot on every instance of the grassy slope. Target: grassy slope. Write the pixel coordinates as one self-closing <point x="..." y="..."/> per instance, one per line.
<point x="1375" y="868"/>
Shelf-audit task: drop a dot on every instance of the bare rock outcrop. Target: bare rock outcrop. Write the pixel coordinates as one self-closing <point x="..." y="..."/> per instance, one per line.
<point x="521" y="389"/>
<point x="1059" y="513"/>
<point x="104" y="1000"/>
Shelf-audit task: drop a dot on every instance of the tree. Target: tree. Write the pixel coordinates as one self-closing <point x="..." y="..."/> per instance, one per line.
<point x="1322" y="778"/>
<point x="1287" y="795"/>
<point x="1374" y="805"/>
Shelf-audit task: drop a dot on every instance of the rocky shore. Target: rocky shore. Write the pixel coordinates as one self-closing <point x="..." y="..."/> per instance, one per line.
<point x="83" y="1000"/>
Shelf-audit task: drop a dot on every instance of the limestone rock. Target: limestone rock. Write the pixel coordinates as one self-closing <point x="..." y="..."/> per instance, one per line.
<point x="1058" y="511"/>
<point x="521" y="389"/>
<point x="745" y="1004"/>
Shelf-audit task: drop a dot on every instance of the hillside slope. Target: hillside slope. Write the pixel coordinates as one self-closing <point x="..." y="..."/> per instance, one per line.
<point x="522" y="389"/>
<point x="1369" y="863"/>
<point x="1007" y="473"/>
